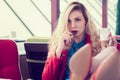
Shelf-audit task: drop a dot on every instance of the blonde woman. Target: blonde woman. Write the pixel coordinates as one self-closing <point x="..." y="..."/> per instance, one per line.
<point x="74" y="30"/>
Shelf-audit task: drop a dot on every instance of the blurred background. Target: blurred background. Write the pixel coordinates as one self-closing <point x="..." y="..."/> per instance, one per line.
<point x="28" y="21"/>
<point x="21" y="19"/>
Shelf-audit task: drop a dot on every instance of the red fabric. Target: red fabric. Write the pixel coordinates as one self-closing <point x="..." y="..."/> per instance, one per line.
<point x="54" y="67"/>
<point x="87" y="74"/>
<point x="9" y="66"/>
<point x="94" y="75"/>
<point x="118" y="46"/>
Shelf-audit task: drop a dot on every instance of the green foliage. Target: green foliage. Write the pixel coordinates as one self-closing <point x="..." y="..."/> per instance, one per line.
<point x="118" y="19"/>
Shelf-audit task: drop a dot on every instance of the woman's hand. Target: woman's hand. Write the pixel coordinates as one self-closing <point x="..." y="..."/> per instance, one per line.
<point x="115" y="40"/>
<point x="64" y="42"/>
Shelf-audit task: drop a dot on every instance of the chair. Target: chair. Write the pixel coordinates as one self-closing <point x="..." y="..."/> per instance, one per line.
<point x="9" y="60"/>
<point x="36" y="54"/>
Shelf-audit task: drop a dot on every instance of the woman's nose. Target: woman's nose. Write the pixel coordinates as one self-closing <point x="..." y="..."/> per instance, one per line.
<point x="73" y="25"/>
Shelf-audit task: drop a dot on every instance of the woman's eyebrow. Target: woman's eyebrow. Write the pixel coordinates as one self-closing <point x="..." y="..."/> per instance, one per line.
<point x="78" y="17"/>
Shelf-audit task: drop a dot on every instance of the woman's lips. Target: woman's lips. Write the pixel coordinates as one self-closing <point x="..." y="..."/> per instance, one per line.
<point x="74" y="32"/>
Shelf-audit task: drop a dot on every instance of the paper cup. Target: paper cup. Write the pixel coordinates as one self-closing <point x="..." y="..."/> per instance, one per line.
<point x="104" y="37"/>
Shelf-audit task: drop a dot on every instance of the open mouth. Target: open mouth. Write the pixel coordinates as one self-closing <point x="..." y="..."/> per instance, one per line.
<point x="74" y="32"/>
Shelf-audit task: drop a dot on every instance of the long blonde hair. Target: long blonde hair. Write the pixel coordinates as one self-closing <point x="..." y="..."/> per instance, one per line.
<point x="62" y="26"/>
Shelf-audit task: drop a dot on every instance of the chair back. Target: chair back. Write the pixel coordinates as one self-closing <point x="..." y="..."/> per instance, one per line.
<point x="9" y="60"/>
<point x="36" y="54"/>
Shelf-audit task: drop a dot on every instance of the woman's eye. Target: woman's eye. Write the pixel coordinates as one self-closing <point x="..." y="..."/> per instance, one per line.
<point x="78" y="19"/>
<point x="69" y="21"/>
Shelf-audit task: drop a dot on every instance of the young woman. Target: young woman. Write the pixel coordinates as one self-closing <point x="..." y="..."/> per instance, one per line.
<point x="74" y="30"/>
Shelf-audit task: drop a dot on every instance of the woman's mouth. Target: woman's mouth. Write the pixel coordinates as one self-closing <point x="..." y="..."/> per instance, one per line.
<point x="74" y="32"/>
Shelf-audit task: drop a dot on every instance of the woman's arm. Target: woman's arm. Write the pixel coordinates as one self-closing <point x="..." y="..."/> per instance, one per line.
<point x="53" y="67"/>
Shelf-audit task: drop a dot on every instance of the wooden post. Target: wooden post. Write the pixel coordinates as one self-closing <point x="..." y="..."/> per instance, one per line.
<point x="104" y="13"/>
<point x="54" y="13"/>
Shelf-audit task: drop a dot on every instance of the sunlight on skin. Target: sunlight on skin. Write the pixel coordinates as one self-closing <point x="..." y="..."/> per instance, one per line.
<point x="80" y="63"/>
<point x="75" y="77"/>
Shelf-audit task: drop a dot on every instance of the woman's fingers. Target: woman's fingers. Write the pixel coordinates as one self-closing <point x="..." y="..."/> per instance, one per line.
<point x="67" y="38"/>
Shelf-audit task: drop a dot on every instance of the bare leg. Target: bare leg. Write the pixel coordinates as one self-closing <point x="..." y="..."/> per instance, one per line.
<point x="80" y="63"/>
<point x="75" y="77"/>
<point x="98" y="59"/>
<point x="109" y="68"/>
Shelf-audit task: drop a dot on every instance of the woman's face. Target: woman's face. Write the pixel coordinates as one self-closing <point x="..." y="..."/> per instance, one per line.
<point x="76" y="22"/>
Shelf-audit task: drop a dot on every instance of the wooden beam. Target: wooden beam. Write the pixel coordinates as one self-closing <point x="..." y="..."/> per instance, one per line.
<point x="104" y="13"/>
<point x="54" y="13"/>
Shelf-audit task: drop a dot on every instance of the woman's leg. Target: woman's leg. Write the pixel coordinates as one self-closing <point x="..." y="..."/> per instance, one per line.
<point x="109" y="68"/>
<point x="96" y="61"/>
<point x="80" y="63"/>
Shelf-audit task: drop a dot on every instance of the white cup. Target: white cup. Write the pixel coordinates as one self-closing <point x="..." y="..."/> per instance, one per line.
<point x="13" y="34"/>
<point x="104" y="37"/>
